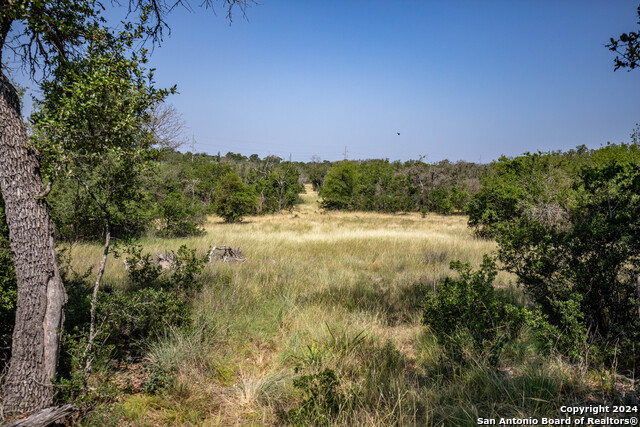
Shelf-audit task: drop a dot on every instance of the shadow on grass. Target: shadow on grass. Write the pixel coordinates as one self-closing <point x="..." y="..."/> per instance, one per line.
<point x="397" y="305"/>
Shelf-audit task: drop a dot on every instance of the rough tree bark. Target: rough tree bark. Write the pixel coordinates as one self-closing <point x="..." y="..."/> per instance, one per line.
<point x="41" y="294"/>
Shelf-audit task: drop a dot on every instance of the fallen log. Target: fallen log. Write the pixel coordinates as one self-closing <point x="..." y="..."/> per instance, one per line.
<point x="45" y="417"/>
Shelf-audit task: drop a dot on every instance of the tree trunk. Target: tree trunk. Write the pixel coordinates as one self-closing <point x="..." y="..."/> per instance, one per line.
<point x="41" y="294"/>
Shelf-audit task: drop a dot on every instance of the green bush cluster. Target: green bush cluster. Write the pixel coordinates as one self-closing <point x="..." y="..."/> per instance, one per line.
<point x="234" y="198"/>
<point x="277" y="186"/>
<point x="567" y="225"/>
<point x="126" y="319"/>
<point x="322" y="401"/>
<point x="381" y="186"/>
<point x="180" y="216"/>
<point x="173" y="195"/>
<point x="468" y="312"/>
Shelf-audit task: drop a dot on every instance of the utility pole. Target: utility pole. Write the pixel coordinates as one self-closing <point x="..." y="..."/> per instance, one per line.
<point x="289" y="157"/>
<point x="345" y="152"/>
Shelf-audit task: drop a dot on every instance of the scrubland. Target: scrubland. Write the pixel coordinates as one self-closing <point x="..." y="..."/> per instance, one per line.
<point x="322" y="325"/>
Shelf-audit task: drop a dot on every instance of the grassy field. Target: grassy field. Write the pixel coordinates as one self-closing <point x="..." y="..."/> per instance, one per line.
<point x="331" y="293"/>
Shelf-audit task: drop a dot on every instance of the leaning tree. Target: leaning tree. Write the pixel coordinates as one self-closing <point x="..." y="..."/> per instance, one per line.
<point x="42" y="35"/>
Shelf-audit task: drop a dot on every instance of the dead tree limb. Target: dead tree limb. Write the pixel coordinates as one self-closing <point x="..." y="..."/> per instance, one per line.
<point x="44" y="417"/>
<point x="228" y="254"/>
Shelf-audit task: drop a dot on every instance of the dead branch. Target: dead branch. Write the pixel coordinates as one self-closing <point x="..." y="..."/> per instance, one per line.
<point x="226" y="254"/>
<point x="44" y="417"/>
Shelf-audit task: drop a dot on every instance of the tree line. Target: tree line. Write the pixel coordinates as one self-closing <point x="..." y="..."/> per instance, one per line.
<point x="413" y="186"/>
<point x="174" y="192"/>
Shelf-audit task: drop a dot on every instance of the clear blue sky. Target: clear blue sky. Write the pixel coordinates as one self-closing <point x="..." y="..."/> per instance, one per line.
<point x="458" y="79"/>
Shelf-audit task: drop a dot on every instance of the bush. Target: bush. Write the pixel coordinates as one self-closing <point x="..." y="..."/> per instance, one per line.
<point x="131" y="318"/>
<point x="493" y="206"/>
<point x="186" y="268"/>
<point x="441" y="201"/>
<point x="125" y="320"/>
<point x="567" y="334"/>
<point x="183" y="276"/>
<point x="322" y="401"/>
<point x="468" y="310"/>
<point x="233" y="198"/>
<point x="583" y="273"/>
<point x="339" y="186"/>
<point x="181" y="216"/>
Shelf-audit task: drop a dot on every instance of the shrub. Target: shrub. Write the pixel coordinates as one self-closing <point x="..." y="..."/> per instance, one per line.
<point x="183" y="275"/>
<point x="493" y="206"/>
<point x="339" y="186"/>
<point x="181" y="216"/>
<point x="567" y="334"/>
<point x="125" y="320"/>
<point x="131" y="318"/>
<point x="322" y="400"/>
<point x="468" y="310"/>
<point x="185" y="270"/>
<point x="441" y="201"/>
<point x="233" y="198"/>
<point x="142" y="271"/>
<point x="583" y="273"/>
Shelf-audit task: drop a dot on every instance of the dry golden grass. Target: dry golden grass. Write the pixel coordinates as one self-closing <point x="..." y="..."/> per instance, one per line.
<point x="322" y="247"/>
<point x="319" y="289"/>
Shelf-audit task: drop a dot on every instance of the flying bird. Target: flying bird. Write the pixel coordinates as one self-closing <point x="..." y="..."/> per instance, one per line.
<point x="398" y="133"/>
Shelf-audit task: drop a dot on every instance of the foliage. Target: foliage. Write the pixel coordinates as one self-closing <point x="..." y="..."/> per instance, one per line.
<point x="49" y="29"/>
<point x="233" y="198"/>
<point x="322" y="400"/>
<point x="469" y="308"/>
<point x="180" y="216"/>
<point x="566" y="334"/>
<point x="379" y="188"/>
<point x="441" y="200"/>
<point x="583" y="273"/>
<point x="183" y="274"/>
<point x="92" y="132"/>
<point x="493" y="205"/>
<point x="277" y="185"/>
<point x="528" y="183"/>
<point x="317" y="173"/>
<point x="627" y="46"/>
<point x="565" y="224"/>
<point x="142" y="272"/>
<point x="127" y="319"/>
<point x="339" y="186"/>
<point x="383" y="186"/>
<point x="131" y="318"/>
<point x="182" y="187"/>
<point x="539" y="185"/>
<point x="185" y="270"/>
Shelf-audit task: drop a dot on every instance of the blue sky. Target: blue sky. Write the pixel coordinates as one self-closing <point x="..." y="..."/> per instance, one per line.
<point x="458" y="79"/>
